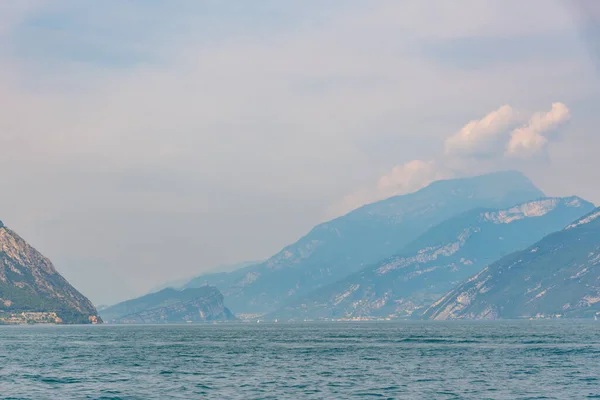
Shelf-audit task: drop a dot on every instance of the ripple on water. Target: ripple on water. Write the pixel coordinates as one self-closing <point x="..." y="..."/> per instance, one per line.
<point x="504" y="360"/>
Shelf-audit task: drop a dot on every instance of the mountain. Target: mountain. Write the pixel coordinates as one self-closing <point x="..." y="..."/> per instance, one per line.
<point x="171" y="306"/>
<point x="31" y="290"/>
<point x="557" y="276"/>
<point x="174" y="284"/>
<point x="427" y="268"/>
<point x="198" y="280"/>
<point x="338" y="248"/>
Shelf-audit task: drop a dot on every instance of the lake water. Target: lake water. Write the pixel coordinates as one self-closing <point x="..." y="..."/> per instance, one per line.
<point x="410" y="360"/>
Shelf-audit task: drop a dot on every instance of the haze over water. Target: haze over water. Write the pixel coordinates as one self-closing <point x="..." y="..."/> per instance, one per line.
<point x="408" y="360"/>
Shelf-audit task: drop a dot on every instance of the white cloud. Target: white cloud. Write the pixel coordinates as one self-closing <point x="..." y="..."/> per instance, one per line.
<point x="481" y="137"/>
<point x="533" y="137"/>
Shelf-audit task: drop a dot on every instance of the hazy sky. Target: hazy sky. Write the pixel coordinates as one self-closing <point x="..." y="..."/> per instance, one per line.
<point x="147" y="140"/>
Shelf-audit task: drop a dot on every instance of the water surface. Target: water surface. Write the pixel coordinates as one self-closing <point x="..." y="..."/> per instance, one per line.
<point x="406" y="360"/>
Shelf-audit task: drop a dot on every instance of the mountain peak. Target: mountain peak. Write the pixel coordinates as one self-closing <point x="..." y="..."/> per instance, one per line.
<point x="497" y="189"/>
<point x="502" y="178"/>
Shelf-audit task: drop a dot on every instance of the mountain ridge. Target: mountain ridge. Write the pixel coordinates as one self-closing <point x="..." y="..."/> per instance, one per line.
<point x="342" y="246"/>
<point x="428" y="267"/>
<point x="555" y="277"/>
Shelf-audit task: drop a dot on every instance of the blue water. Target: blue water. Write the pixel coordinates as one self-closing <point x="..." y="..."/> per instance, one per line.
<point x="411" y="360"/>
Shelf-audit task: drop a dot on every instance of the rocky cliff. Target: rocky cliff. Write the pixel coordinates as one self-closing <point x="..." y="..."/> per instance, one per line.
<point x="29" y="283"/>
<point x="171" y="306"/>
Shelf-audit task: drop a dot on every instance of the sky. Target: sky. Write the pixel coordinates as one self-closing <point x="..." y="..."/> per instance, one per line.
<point x="144" y="141"/>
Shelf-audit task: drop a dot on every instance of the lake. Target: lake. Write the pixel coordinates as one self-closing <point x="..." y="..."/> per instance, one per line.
<point x="403" y="360"/>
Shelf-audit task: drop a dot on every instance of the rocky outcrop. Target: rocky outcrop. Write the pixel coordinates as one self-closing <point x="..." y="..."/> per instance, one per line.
<point x="559" y="276"/>
<point x="171" y="306"/>
<point x="29" y="283"/>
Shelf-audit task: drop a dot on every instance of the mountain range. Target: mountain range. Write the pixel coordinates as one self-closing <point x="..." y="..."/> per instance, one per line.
<point x="401" y="286"/>
<point x="396" y="257"/>
<point x="333" y="250"/>
<point x="452" y="250"/>
<point x="555" y="277"/>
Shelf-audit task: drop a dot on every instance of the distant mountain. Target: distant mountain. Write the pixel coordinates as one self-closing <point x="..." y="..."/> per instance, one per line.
<point x="338" y="248"/>
<point x="229" y="267"/>
<point x="435" y="262"/>
<point x="557" y="276"/>
<point x="174" y="284"/>
<point x="199" y="280"/>
<point x="31" y="290"/>
<point x="171" y="306"/>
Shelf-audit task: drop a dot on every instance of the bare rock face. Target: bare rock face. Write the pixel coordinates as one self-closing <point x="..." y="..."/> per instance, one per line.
<point x="171" y="306"/>
<point x="559" y="276"/>
<point x="31" y="290"/>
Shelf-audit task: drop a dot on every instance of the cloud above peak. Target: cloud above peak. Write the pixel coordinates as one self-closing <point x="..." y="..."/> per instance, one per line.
<point x="533" y="137"/>
<point x="489" y="143"/>
<point x="481" y="137"/>
<point x="507" y="132"/>
<point x="409" y="177"/>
